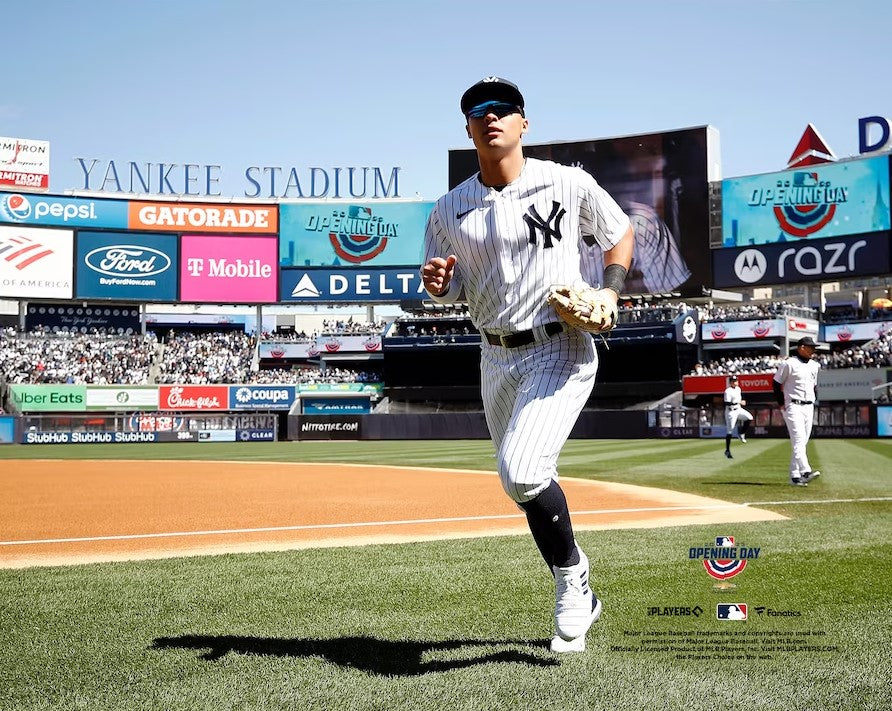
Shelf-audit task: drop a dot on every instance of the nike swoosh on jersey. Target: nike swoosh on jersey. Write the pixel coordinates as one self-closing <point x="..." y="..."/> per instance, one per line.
<point x="459" y="215"/>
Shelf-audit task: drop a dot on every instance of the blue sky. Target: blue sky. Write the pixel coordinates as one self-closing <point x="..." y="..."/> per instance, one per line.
<point x="348" y="83"/>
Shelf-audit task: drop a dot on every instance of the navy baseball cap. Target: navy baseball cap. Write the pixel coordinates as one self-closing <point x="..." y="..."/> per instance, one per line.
<point x="806" y="341"/>
<point x="733" y="377"/>
<point x="491" y="89"/>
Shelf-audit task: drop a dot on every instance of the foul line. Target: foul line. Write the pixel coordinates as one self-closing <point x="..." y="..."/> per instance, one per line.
<point x="457" y="519"/>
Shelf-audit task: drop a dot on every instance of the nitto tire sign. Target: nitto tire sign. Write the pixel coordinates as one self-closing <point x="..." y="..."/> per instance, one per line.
<point x="813" y="260"/>
<point x="127" y="265"/>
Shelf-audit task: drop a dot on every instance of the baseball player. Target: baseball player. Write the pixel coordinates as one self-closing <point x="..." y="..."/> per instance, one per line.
<point x="500" y="240"/>
<point x="735" y="415"/>
<point x="795" y="388"/>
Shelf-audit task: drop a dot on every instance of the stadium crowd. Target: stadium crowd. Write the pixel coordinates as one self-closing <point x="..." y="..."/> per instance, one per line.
<point x="310" y="376"/>
<point x="198" y="359"/>
<point x="75" y="358"/>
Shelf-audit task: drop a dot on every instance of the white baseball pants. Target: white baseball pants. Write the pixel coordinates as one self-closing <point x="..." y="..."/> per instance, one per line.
<point x="532" y="397"/>
<point x="799" y="421"/>
<point x="736" y="415"/>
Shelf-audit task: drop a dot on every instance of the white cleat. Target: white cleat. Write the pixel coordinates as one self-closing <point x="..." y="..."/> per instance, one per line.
<point x="811" y="476"/>
<point x="562" y="646"/>
<point x="743" y="438"/>
<point x="576" y="607"/>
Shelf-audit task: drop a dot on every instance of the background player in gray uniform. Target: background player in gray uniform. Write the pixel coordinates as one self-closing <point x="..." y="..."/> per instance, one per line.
<point x="795" y="387"/>
<point x="735" y="415"/>
<point x="500" y="240"/>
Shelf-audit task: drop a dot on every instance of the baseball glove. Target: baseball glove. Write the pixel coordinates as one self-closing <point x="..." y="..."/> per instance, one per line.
<point x="587" y="309"/>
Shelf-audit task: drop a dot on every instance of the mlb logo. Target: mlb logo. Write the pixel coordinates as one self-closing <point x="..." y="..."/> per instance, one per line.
<point x="724" y="541"/>
<point x="731" y="611"/>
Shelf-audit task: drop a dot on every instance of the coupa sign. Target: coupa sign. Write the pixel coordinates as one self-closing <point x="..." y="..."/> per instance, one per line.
<point x="269" y="397"/>
<point x="786" y="262"/>
<point x="131" y="265"/>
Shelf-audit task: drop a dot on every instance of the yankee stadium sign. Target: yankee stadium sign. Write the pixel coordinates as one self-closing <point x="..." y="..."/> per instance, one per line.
<point x="267" y="181"/>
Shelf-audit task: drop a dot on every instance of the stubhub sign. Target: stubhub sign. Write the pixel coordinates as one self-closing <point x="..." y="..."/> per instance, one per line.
<point x="261" y="397"/>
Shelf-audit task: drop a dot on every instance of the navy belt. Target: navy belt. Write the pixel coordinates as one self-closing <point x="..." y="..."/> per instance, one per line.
<point x="802" y="402"/>
<point x="522" y="338"/>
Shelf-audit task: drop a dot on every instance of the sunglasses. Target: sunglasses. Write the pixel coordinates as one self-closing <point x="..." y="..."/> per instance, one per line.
<point x="499" y="108"/>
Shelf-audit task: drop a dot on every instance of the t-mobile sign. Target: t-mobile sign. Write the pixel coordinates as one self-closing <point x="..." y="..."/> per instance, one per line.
<point x="228" y="269"/>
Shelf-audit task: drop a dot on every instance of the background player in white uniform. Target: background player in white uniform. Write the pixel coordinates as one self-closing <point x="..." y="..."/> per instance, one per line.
<point x="500" y="240"/>
<point x="735" y="415"/>
<point x="795" y="387"/>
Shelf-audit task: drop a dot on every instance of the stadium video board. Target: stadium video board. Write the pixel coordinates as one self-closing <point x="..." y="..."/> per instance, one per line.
<point x="35" y="263"/>
<point x="661" y="180"/>
<point x="135" y="266"/>
<point x="228" y="269"/>
<point x="814" y="202"/>
<point x="354" y="234"/>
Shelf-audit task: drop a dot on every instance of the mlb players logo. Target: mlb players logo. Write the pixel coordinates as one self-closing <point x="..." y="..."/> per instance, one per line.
<point x="731" y="611"/>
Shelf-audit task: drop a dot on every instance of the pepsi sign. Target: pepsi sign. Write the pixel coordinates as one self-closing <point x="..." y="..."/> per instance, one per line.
<point x="127" y="266"/>
<point x="816" y="260"/>
<point x="62" y="211"/>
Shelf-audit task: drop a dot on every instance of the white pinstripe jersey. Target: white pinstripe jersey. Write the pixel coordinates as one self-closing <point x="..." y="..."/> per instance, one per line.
<point x="799" y="380"/>
<point x="512" y="245"/>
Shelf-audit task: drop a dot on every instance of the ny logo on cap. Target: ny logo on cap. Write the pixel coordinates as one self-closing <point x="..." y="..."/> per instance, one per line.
<point x="489" y="79"/>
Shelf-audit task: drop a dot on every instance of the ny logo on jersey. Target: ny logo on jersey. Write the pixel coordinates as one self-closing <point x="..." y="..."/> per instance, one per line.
<point x="550" y="227"/>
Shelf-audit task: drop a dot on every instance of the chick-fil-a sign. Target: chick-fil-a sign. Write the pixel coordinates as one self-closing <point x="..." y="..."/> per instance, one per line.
<point x="228" y="269"/>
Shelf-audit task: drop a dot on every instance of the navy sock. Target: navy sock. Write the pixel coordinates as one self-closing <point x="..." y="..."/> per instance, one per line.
<point x="549" y="519"/>
<point x="727" y="441"/>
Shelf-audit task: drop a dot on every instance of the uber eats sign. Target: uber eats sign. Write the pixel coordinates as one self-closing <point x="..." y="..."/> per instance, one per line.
<point x="49" y="398"/>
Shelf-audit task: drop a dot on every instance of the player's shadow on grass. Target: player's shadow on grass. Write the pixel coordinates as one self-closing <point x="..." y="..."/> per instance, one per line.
<point x="375" y="656"/>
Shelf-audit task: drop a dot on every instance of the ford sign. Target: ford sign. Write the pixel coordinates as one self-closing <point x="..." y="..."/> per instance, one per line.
<point x="127" y="260"/>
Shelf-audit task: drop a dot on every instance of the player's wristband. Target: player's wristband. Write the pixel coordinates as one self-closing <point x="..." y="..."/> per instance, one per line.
<point x="615" y="277"/>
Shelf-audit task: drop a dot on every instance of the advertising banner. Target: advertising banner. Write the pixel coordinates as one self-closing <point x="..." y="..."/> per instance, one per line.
<point x="24" y="163"/>
<point x="348" y="344"/>
<point x="126" y="265"/>
<point x="809" y="260"/>
<point x="62" y="437"/>
<point x="256" y="435"/>
<point x="49" y="398"/>
<point x="149" y="422"/>
<point x="835" y="384"/>
<point x="735" y="330"/>
<point x="35" y="263"/>
<point x="286" y="350"/>
<point x="261" y="397"/>
<point x="110" y="397"/>
<point x="380" y="234"/>
<point x="193" y="397"/>
<point x="326" y="427"/>
<point x="884" y="421"/>
<point x="844" y="332"/>
<point x="826" y="200"/>
<point x="331" y="406"/>
<point x="7" y="429"/>
<point x="228" y="270"/>
<point x="715" y="384"/>
<point x="57" y="211"/>
<point x="197" y="217"/>
<point x="110" y="318"/>
<point x="661" y="180"/>
<point x="357" y="285"/>
<point x="339" y="387"/>
<point x="799" y="327"/>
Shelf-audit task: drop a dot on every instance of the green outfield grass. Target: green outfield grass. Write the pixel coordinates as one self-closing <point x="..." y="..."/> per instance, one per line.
<point x="464" y="624"/>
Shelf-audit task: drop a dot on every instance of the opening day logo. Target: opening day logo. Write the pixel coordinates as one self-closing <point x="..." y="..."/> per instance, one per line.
<point x="802" y="203"/>
<point x="724" y="559"/>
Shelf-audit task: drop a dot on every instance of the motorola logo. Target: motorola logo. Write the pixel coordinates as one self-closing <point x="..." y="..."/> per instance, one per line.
<point x="750" y="266"/>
